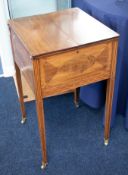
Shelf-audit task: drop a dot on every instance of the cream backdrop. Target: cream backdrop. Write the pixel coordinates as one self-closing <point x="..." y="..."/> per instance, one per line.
<point x="5" y="45"/>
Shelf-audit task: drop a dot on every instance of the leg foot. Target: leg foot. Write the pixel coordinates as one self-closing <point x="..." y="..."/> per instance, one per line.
<point x="43" y="166"/>
<point x="106" y="141"/>
<point x="77" y="105"/>
<point x="23" y="120"/>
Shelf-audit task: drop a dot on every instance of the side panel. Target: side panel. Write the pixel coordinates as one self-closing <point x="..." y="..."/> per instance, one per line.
<point x="22" y="59"/>
<point x="72" y="69"/>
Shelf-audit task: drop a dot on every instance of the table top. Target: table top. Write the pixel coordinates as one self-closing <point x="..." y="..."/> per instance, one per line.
<point x="63" y="30"/>
<point x="113" y="7"/>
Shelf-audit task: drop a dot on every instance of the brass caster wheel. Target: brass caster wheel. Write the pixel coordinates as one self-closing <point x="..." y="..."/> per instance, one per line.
<point x="77" y="105"/>
<point x="106" y="141"/>
<point x="23" y="120"/>
<point x="43" y="166"/>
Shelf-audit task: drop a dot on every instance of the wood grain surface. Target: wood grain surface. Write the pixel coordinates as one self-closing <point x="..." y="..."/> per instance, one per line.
<point x="76" y="68"/>
<point x="62" y="51"/>
<point x="54" y="32"/>
<point x="22" y="59"/>
<point x="110" y="90"/>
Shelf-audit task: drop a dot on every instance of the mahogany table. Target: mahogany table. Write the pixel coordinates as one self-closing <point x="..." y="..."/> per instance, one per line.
<point x="62" y="51"/>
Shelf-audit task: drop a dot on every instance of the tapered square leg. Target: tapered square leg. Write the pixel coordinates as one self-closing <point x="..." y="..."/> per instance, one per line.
<point x="109" y="94"/>
<point x="108" y="111"/>
<point x="40" y="111"/>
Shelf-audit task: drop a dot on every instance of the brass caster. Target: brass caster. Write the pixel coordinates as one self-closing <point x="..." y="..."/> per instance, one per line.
<point x="43" y="166"/>
<point x="77" y="105"/>
<point x="23" y="120"/>
<point x="106" y="141"/>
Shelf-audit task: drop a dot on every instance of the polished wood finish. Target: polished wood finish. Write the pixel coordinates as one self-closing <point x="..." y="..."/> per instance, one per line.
<point x="72" y="69"/>
<point x="62" y="51"/>
<point x="110" y="91"/>
<point x="19" y="84"/>
<point x="59" y="31"/>
<point x="40" y="109"/>
<point x="23" y="59"/>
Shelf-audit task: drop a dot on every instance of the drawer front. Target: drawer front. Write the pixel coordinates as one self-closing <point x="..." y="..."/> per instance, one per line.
<point x="76" y="68"/>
